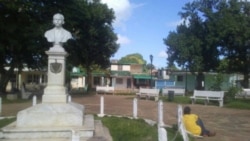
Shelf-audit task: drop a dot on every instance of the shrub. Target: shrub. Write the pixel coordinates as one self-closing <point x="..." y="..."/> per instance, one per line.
<point x="230" y="95"/>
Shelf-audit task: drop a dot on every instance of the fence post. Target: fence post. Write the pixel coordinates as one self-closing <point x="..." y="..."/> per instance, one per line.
<point x="34" y="101"/>
<point x="101" y="107"/>
<point x="0" y="106"/>
<point x="162" y="134"/>
<point x="160" y="114"/>
<point x="135" y="108"/>
<point x="69" y="98"/>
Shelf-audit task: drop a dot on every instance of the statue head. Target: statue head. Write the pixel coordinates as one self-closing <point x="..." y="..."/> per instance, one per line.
<point x="58" y="20"/>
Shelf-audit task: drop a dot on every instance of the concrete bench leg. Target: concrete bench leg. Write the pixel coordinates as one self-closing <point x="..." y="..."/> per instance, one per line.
<point x="193" y="101"/>
<point x="221" y="103"/>
<point x="206" y="102"/>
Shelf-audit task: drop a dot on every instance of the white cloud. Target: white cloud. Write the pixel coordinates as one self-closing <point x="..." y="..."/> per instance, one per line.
<point x="123" y="39"/>
<point x="163" y="54"/>
<point x="122" y="9"/>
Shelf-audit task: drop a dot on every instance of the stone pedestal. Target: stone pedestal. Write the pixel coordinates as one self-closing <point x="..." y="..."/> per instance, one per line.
<point x="55" y="91"/>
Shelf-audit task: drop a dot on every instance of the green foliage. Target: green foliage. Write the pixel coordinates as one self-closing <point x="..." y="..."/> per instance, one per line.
<point x="230" y="94"/>
<point x="217" y="82"/>
<point x="135" y="58"/>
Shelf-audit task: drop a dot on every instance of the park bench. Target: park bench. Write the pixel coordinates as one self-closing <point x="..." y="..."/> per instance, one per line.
<point x="245" y="93"/>
<point x="208" y="96"/>
<point x="148" y="93"/>
<point x="177" y="91"/>
<point x="105" y="89"/>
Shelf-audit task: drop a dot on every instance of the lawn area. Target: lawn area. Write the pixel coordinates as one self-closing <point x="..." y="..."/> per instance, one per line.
<point x="126" y="129"/>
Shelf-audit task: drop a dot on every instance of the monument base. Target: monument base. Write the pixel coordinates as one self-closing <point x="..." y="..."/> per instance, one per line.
<point x="14" y="133"/>
<point x="50" y="121"/>
<point x="51" y="115"/>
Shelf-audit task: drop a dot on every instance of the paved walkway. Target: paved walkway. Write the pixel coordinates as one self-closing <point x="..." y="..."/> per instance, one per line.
<point x="230" y="124"/>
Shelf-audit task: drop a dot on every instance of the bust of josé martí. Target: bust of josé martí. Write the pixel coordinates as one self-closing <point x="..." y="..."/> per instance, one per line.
<point x="58" y="35"/>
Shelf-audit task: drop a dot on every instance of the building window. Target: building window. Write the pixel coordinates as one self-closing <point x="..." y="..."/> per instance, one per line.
<point x="44" y="78"/>
<point x="119" y="80"/>
<point x="179" y="78"/>
<point x="119" y="67"/>
<point x="33" y="78"/>
<point x="29" y="78"/>
<point x="36" y="79"/>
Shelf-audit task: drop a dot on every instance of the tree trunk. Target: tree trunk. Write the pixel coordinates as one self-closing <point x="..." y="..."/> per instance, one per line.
<point x="89" y="78"/>
<point x="5" y="77"/>
<point x="246" y="80"/>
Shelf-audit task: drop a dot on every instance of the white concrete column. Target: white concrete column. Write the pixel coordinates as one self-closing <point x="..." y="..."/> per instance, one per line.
<point x="162" y="134"/>
<point x="101" y="107"/>
<point x="69" y="98"/>
<point x="34" y="100"/>
<point x="135" y="107"/>
<point x="160" y="114"/>
<point x="20" y="81"/>
<point x="0" y="105"/>
<point x="40" y="78"/>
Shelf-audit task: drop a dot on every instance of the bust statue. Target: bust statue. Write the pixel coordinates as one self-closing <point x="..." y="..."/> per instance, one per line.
<point x="58" y="35"/>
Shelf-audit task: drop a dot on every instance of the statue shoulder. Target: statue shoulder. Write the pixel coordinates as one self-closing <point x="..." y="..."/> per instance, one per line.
<point x="66" y="32"/>
<point x="48" y="32"/>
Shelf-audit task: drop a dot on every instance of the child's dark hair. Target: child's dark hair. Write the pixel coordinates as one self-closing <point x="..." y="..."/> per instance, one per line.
<point x="187" y="110"/>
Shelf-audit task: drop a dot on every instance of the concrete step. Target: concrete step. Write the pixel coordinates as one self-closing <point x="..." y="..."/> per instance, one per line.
<point x="101" y="133"/>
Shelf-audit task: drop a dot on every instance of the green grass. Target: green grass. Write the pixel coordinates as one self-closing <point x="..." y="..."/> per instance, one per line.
<point x="239" y="104"/>
<point x="6" y="121"/>
<point x="125" y="129"/>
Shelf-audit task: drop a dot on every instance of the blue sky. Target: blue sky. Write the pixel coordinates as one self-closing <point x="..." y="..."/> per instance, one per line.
<point x="141" y="26"/>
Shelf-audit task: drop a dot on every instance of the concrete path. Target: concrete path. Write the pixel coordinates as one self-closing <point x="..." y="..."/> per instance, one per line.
<point x="229" y="124"/>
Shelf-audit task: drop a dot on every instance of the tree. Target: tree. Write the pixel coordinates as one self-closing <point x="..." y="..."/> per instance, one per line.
<point x="230" y="24"/>
<point x="188" y="46"/>
<point x="135" y="58"/>
<point x="22" y="42"/>
<point x="95" y="40"/>
<point x="211" y="30"/>
<point x="24" y="22"/>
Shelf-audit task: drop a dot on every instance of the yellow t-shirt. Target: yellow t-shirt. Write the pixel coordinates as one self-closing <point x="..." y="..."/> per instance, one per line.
<point x="190" y="123"/>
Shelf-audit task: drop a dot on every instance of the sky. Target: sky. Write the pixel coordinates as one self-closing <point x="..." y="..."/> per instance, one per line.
<point x="141" y="26"/>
